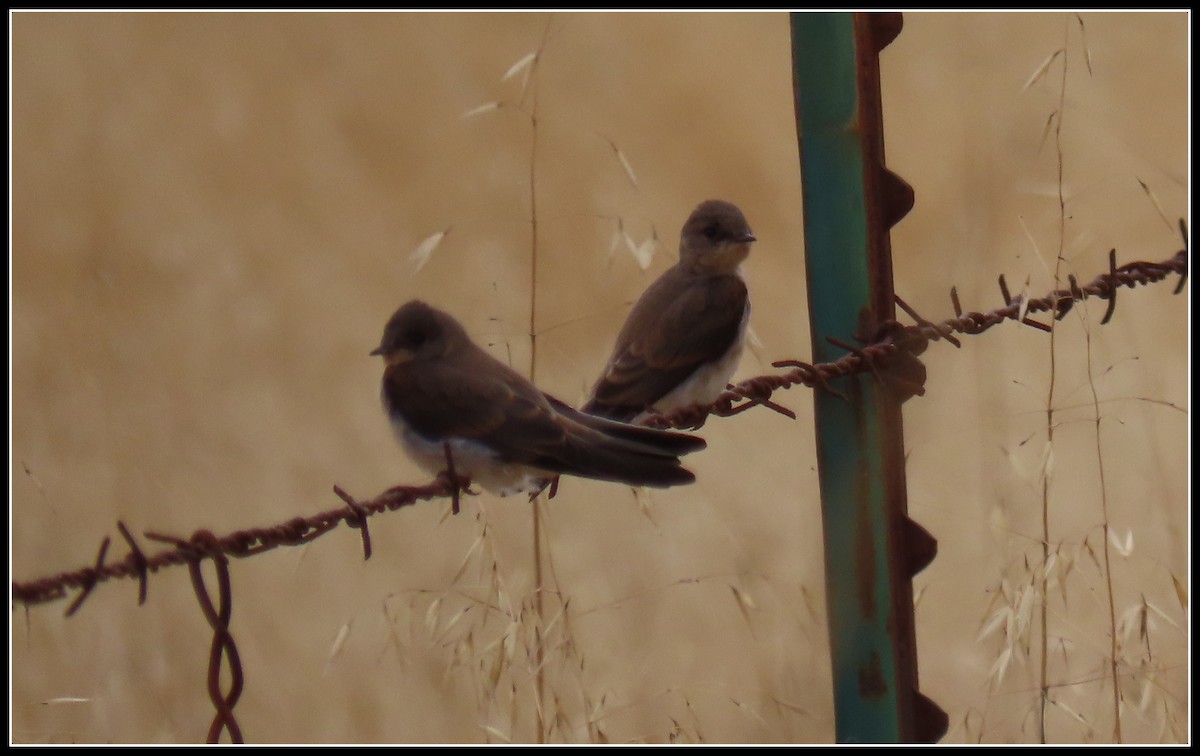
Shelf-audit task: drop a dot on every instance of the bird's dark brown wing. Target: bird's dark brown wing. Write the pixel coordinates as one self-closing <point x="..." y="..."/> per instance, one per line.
<point x="544" y="433"/>
<point x="666" y="338"/>
<point x="478" y="398"/>
<point x="670" y="442"/>
<point x="441" y="399"/>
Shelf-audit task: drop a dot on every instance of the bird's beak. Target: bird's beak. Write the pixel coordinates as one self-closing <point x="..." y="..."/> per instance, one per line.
<point x="393" y="356"/>
<point x="746" y="238"/>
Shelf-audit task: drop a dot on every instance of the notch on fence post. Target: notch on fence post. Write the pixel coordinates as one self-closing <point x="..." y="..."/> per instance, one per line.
<point x="872" y="548"/>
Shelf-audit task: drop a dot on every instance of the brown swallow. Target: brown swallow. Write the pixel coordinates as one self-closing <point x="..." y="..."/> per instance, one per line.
<point x="683" y="338"/>
<point x="504" y="433"/>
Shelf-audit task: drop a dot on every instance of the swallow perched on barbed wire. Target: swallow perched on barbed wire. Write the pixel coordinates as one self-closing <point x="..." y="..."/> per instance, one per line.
<point x="440" y="388"/>
<point x="683" y="338"/>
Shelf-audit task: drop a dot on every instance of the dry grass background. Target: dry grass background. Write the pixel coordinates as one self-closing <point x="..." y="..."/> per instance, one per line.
<point x="212" y="220"/>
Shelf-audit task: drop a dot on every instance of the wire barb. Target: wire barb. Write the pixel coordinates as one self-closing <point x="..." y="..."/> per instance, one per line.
<point x="139" y="562"/>
<point x="91" y="580"/>
<point x="927" y="324"/>
<point x="1112" y="300"/>
<point x="359" y="520"/>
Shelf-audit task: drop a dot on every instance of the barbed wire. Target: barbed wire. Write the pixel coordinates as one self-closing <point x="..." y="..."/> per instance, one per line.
<point x="891" y="355"/>
<point x="242" y="543"/>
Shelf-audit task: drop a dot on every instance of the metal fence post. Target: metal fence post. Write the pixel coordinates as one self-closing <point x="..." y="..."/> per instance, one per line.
<point x="872" y="548"/>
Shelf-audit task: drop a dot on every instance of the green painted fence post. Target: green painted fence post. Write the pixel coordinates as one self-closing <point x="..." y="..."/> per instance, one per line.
<point x="872" y="549"/>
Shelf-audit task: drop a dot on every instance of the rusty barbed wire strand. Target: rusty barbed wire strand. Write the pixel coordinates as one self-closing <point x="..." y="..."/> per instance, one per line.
<point x="242" y="543"/>
<point x="889" y="356"/>
<point x="895" y="340"/>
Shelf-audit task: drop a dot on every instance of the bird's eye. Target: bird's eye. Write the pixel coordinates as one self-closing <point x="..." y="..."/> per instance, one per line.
<point x="711" y="231"/>
<point x="415" y="339"/>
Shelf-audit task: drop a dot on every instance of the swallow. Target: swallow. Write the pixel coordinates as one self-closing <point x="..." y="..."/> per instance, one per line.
<point x="440" y="388"/>
<point x="683" y="339"/>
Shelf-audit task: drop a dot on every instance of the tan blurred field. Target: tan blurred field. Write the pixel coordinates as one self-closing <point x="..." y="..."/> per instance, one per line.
<point x="213" y="217"/>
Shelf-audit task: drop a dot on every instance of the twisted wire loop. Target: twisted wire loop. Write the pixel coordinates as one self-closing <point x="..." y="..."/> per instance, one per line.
<point x="201" y="547"/>
<point x="892" y="355"/>
<point x="222" y="647"/>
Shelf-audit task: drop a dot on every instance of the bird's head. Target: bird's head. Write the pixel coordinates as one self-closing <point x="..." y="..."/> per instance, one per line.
<point x="716" y="237"/>
<point x="419" y="332"/>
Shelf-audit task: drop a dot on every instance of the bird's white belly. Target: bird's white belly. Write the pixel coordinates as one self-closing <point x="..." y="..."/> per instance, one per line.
<point x="472" y="460"/>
